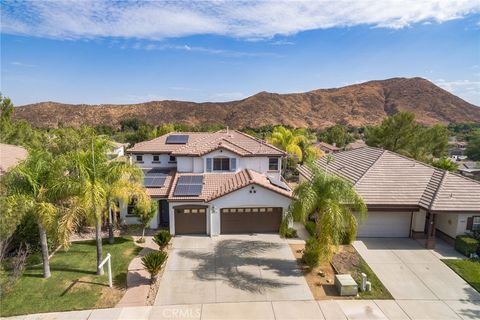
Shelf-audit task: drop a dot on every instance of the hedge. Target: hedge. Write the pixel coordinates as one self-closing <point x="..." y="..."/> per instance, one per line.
<point x="466" y="245"/>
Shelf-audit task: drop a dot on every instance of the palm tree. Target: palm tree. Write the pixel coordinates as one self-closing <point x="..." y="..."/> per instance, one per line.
<point x="295" y="142"/>
<point x="32" y="190"/>
<point x="100" y="181"/>
<point x="124" y="183"/>
<point x="332" y="202"/>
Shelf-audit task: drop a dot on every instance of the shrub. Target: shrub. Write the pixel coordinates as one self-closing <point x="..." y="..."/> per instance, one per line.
<point x="466" y="245"/>
<point x="311" y="228"/>
<point x="311" y="254"/>
<point x="153" y="262"/>
<point x="290" y="233"/>
<point x="162" y="238"/>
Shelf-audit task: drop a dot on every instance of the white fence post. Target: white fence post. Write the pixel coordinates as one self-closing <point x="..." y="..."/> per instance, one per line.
<point x="108" y="259"/>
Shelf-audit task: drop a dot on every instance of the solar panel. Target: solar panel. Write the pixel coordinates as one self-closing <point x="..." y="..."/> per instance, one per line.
<point x="189" y="186"/>
<point x="279" y="183"/>
<point x="177" y="139"/>
<point x="154" y="181"/>
<point x="157" y="170"/>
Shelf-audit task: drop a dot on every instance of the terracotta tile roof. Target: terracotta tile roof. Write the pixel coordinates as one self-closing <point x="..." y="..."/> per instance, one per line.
<point x="385" y="178"/>
<point x="205" y="142"/>
<point x="10" y="156"/>
<point x="216" y="185"/>
<point x="326" y="146"/>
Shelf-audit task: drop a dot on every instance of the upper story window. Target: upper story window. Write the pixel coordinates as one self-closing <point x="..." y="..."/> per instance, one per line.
<point x="273" y="164"/>
<point x="139" y="158"/>
<point x="221" y="164"/>
<point x="172" y="159"/>
<point x="156" y="158"/>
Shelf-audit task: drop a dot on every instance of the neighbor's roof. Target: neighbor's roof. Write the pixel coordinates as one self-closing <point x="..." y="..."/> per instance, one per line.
<point x="10" y="156"/>
<point x="387" y="179"/>
<point x="200" y="143"/>
<point x="355" y="144"/>
<point x="216" y="185"/>
<point x="326" y="146"/>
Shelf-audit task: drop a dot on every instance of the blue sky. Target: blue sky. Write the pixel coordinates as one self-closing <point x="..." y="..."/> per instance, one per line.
<point x="107" y="52"/>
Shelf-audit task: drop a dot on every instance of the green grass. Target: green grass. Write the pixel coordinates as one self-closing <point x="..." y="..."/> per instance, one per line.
<point x="378" y="289"/>
<point x="469" y="270"/>
<point x="73" y="284"/>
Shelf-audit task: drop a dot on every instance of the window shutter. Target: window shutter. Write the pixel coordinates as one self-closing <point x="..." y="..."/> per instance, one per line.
<point x="469" y="223"/>
<point x="233" y="164"/>
<point x="209" y="164"/>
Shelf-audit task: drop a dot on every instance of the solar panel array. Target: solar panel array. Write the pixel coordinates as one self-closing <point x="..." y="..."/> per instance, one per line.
<point x="177" y="139"/>
<point x="189" y="186"/>
<point x="155" y="177"/>
<point x="279" y="183"/>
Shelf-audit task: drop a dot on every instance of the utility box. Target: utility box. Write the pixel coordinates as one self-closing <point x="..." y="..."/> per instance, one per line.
<point x="345" y="285"/>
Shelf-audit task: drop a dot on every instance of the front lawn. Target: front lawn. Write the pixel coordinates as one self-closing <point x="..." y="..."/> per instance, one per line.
<point x="73" y="284"/>
<point x="469" y="270"/>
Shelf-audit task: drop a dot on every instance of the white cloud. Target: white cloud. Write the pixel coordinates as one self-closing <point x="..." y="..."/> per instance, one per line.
<point x="468" y="90"/>
<point x="21" y="64"/>
<point x="156" y="20"/>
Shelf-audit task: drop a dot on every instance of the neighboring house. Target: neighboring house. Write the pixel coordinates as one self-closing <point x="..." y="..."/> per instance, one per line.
<point x="10" y="156"/>
<point x="118" y="150"/>
<point x="406" y="198"/>
<point x="355" y="145"/>
<point x="213" y="183"/>
<point x="457" y="148"/>
<point x="469" y="169"/>
<point x="326" y="147"/>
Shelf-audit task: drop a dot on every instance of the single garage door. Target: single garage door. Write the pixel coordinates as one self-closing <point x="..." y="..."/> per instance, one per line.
<point x="190" y="220"/>
<point x="250" y="220"/>
<point x="386" y="225"/>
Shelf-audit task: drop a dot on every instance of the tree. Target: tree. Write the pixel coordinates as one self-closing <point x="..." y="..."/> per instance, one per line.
<point x="332" y="201"/>
<point x="337" y="135"/>
<point x="473" y="146"/>
<point x="98" y="180"/>
<point x="400" y="133"/>
<point x="33" y="188"/>
<point x="294" y="142"/>
<point x="446" y="164"/>
<point x="146" y="216"/>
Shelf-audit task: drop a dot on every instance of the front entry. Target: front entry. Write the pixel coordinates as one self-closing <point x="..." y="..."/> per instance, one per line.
<point x="191" y="220"/>
<point x="250" y="220"/>
<point x="163" y="214"/>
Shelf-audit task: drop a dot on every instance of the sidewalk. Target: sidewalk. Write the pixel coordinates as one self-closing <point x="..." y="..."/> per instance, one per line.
<point x="138" y="279"/>
<point x="324" y="309"/>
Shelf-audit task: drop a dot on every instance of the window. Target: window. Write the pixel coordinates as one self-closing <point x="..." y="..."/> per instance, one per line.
<point x="139" y="158"/>
<point x="221" y="164"/>
<point x="156" y="158"/>
<point x="476" y="223"/>
<point x="131" y="211"/>
<point x="172" y="159"/>
<point x="273" y="164"/>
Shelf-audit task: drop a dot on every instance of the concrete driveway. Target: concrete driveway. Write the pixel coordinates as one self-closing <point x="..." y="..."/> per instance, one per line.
<point x="418" y="279"/>
<point x="233" y="268"/>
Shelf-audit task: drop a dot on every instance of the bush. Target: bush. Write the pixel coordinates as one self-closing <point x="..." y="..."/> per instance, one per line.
<point x="311" y="228"/>
<point x="162" y="238"/>
<point x="311" y="254"/>
<point x="153" y="262"/>
<point x="290" y="233"/>
<point x="466" y="245"/>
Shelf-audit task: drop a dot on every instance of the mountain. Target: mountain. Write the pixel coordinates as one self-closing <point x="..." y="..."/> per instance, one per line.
<point x="356" y="105"/>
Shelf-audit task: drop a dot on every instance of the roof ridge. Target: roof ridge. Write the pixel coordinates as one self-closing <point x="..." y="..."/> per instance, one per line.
<point x="236" y="145"/>
<point x="440" y="184"/>
<point x="261" y="141"/>
<point x="370" y="168"/>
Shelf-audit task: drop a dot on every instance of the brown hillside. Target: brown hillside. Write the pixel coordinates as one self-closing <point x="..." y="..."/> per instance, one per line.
<point x="356" y="105"/>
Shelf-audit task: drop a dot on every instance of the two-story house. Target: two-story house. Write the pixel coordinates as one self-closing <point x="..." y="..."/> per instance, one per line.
<point x="213" y="183"/>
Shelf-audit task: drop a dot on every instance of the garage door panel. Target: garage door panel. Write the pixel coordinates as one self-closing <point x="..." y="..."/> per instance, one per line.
<point x="250" y="222"/>
<point x="190" y="223"/>
<point x="386" y="224"/>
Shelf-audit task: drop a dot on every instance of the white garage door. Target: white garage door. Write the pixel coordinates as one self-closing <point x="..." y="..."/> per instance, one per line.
<point x="386" y="224"/>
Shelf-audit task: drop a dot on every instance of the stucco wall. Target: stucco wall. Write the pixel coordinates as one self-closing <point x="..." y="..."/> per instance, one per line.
<point x="418" y="221"/>
<point x="148" y="161"/>
<point x="452" y="224"/>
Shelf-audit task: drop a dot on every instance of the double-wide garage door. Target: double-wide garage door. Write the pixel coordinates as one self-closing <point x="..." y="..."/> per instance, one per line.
<point x="386" y="225"/>
<point x="250" y="220"/>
